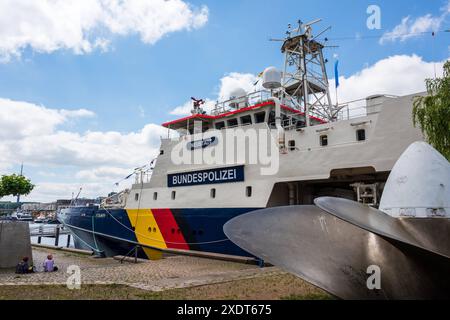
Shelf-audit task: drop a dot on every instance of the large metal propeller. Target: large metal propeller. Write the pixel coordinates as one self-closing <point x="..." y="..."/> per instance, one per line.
<point x="341" y="245"/>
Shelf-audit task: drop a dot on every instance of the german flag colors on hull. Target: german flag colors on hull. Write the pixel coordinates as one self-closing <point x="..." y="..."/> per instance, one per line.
<point x="118" y="231"/>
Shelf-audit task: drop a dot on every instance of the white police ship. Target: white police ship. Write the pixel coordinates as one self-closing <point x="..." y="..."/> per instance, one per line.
<point x="284" y="145"/>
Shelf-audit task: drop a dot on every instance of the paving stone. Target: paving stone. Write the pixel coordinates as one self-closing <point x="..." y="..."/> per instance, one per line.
<point x="170" y="272"/>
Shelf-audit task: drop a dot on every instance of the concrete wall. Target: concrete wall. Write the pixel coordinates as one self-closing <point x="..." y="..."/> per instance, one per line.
<point x="15" y="243"/>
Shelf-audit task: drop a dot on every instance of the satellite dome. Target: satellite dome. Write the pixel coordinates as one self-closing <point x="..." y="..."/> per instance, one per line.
<point x="237" y="93"/>
<point x="271" y="78"/>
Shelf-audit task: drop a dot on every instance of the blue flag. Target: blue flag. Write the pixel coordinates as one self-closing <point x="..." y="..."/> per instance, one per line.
<point x="336" y="73"/>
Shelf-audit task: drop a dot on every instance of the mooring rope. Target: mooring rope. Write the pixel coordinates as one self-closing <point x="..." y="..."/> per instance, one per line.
<point x="162" y="241"/>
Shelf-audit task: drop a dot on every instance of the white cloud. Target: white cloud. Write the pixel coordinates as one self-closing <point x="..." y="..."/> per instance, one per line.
<point x="185" y="109"/>
<point x="228" y="84"/>
<point x="21" y="119"/>
<point x="103" y="173"/>
<point x="396" y="75"/>
<point x="233" y="81"/>
<point x="33" y="134"/>
<point x="410" y="28"/>
<point x="84" y="25"/>
<point x="182" y="110"/>
<point x="51" y="191"/>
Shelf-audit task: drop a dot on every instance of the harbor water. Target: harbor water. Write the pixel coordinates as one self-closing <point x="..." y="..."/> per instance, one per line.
<point x="49" y="240"/>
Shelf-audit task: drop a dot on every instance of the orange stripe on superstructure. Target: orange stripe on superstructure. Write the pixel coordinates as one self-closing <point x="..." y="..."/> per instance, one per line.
<point x="169" y="229"/>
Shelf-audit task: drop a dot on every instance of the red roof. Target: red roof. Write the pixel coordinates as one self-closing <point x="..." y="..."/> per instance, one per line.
<point x="226" y="114"/>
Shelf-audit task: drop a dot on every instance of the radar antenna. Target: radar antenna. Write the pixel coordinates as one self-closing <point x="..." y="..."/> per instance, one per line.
<point x="197" y="105"/>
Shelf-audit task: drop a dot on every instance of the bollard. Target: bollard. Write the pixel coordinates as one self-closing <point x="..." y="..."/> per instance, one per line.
<point x="68" y="240"/>
<point x="261" y="263"/>
<point x="57" y="236"/>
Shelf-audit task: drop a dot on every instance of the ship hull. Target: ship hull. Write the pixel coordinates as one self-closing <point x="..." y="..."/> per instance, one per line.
<point x="118" y="231"/>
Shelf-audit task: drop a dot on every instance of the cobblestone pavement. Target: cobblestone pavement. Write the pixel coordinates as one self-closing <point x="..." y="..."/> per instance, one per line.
<point x="170" y="272"/>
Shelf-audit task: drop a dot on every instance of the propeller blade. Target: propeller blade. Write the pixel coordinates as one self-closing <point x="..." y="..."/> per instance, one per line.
<point x="431" y="234"/>
<point x="334" y="255"/>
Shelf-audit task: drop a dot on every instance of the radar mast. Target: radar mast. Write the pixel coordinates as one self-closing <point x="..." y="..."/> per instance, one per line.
<point x="305" y="79"/>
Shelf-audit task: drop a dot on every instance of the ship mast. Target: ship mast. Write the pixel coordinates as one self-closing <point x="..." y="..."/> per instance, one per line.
<point x="305" y="79"/>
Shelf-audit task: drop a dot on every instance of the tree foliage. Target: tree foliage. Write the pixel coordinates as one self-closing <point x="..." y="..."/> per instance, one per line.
<point x="432" y="112"/>
<point x="15" y="185"/>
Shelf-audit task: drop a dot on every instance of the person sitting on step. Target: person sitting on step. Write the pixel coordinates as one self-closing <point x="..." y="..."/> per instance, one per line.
<point x="49" y="264"/>
<point x="24" y="266"/>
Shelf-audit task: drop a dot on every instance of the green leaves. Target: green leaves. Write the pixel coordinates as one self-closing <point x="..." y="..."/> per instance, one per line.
<point x="432" y="112"/>
<point x="15" y="185"/>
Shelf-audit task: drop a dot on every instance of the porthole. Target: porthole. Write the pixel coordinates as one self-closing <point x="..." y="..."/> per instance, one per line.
<point x="324" y="140"/>
<point x="291" y="144"/>
<point x="360" y="135"/>
<point x="248" y="191"/>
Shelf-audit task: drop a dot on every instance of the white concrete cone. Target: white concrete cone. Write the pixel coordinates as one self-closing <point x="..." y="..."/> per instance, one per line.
<point x="419" y="184"/>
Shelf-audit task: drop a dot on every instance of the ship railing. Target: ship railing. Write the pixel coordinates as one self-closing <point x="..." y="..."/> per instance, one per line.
<point x="261" y="96"/>
<point x="357" y="109"/>
<point x="237" y="103"/>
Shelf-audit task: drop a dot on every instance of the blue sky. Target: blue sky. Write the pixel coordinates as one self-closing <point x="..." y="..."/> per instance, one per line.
<point x="133" y="83"/>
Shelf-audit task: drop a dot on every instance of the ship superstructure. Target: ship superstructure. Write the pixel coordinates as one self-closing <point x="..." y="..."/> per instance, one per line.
<point x="285" y="144"/>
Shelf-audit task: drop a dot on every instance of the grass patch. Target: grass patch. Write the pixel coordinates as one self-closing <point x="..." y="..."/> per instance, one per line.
<point x="311" y="296"/>
<point x="271" y="287"/>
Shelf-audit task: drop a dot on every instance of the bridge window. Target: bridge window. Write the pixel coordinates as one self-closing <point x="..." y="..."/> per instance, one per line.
<point x="248" y="191"/>
<point x="174" y="193"/>
<point x="232" y="123"/>
<point x="360" y="135"/>
<point x="260" y="117"/>
<point x="324" y="140"/>
<point x="213" y="193"/>
<point x="220" y="125"/>
<point x="246" y="120"/>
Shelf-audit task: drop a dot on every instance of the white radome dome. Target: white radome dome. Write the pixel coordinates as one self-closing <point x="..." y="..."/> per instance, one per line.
<point x="271" y="78"/>
<point x="237" y="93"/>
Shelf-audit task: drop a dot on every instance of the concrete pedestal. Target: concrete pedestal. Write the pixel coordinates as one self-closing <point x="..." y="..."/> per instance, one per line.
<point x="15" y="243"/>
